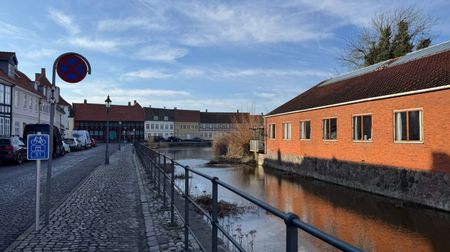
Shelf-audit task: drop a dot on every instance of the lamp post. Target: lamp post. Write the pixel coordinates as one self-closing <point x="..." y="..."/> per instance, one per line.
<point x="108" y="105"/>
<point x="134" y="138"/>
<point x="120" y="133"/>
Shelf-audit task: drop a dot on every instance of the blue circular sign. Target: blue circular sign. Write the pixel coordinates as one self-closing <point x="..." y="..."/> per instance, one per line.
<point x="71" y="68"/>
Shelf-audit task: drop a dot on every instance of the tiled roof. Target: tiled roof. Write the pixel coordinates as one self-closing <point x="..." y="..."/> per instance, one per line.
<point x="97" y="112"/>
<point x="220" y="117"/>
<point x="7" y="56"/>
<point x="63" y="102"/>
<point x="187" y="115"/>
<point x="423" y="69"/>
<point x="160" y="112"/>
<point x="24" y="82"/>
<point x="42" y="78"/>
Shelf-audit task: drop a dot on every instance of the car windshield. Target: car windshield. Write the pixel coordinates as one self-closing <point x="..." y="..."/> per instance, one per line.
<point x="68" y="140"/>
<point x="76" y="135"/>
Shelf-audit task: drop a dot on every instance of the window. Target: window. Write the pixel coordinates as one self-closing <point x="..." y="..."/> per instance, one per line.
<point x="362" y="128"/>
<point x="305" y="130"/>
<point x="16" y="98"/>
<point x="287" y="130"/>
<point x="30" y="105"/>
<point x="25" y="100"/>
<point x="272" y="132"/>
<point x="1" y="126"/>
<point x="147" y="126"/>
<point x="171" y="126"/>
<point x="157" y="126"/>
<point x="16" y="128"/>
<point x="8" y="95"/>
<point x="166" y="126"/>
<point x="155" y="118"/>
<point x="7" y="127"/>
<point x="166" y="118"/>
<point x="2" y="97"/>
<point x="330" y="129"/>
<point x="152" y="126"/>
<point x="408" y="125"/>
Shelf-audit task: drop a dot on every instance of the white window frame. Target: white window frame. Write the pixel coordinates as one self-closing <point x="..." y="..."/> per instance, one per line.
<point x="323" y="125"/>
<point x="421" y="132"/>
<point x="302" y="130"/>
<point x="353" y="128"/>
<point x="287" y="130"/>
<point x="272" y="131"/>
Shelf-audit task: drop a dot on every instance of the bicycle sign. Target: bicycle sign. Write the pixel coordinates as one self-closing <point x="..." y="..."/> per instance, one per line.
<point x="38" y="146"/>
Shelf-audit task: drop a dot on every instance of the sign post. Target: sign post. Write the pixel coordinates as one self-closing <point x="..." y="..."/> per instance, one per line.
<point x="71" y="67"/>
<point x="38" y="149"/>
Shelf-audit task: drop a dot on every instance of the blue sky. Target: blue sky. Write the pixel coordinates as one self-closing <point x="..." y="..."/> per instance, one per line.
<point x="215" y="55"/>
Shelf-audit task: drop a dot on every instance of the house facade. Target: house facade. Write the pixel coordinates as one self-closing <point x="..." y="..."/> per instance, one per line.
<point x="187" y="123"/>
<point x="126" y="122"/>
<point x="216" y="124"/>
<point x="384" y="122"/>
<point x="8" y="65"/>
<point x="159" y="122"/>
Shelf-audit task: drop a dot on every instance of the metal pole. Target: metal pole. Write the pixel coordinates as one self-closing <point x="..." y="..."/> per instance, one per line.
<point x="120" y="134"/>
<point x="172" y="194"/>
<point x="186" y="208"/>
<point x="38" y="191"/>
<point x="107" y="137"/>
<point x="214" y="214"/>
<point x="291" y="233"/>
<point x="50" y="132"/>
<point x="164" y="183"/>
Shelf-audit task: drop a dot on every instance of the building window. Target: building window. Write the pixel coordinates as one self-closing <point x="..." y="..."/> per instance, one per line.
<point x="156" y="126"/>
<point x="155" y="118"/>
<point x="25" y="100"/>
<point x="272" y="131"/>
<point x="166" y="118"/>
<point x="8" y="95"/>
<point x="16" y="128"/>
<point x="152" y="126"/>
<point x="330" y="129"/>
<point x="16" y="98"/>
<point x="305" y="130"/>
<point x="362" y="128"/>
<point x="166" y="126"/>
<point x="287" y="130"/>
<point x="171" y="126"/>
<point x="2" y="91"/>
<point x="7" y="127"/>
<point x="147" y="126"/>
<point x="408" y="126"/>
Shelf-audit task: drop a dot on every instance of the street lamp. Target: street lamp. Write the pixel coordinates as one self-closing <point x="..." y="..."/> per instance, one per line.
<point x="120" y="133"/>
<point x="108" y="105"/>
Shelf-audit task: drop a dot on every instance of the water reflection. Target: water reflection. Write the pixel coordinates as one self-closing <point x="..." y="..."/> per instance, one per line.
<point x="368" y="221"/>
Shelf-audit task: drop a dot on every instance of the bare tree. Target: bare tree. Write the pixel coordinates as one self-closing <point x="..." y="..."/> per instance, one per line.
<point x="359" y="48"/>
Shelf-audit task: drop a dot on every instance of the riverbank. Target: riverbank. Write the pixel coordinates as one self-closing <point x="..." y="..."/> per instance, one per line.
<point x="431" y="189"/>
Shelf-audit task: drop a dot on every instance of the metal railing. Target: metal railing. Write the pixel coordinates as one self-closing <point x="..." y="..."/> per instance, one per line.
<point x="156" y="165"/>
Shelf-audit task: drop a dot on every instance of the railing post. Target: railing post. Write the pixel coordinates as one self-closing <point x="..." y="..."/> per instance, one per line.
<point x="186" y="208"/>
<point x="214" y="214"/>
<point x="164" y="181"/>
<point x="291" y="233"/>
<point x="172" y="193"/>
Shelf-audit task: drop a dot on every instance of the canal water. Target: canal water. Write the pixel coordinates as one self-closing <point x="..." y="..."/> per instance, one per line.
<point x="371" y="222"/>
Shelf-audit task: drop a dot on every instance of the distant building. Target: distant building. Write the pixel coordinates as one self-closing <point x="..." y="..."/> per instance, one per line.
<point x="187" y="123"/>
<point x="92" y="117"/>
<point x="159" y="122"/>
<point x="64" y="115"/>
<point x="216" y="124"/>
<point x="8" y="65"/>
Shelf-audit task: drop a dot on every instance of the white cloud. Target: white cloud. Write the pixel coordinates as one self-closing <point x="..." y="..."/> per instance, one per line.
<point x="40" y="53"/>
<point x="63" y="20"/>
<point x="146" y="74"/>
<point x="9" y="31"/>
<point x="93" y="44"/>
<point x="160" y="53"/>
<point x="242" y="73"/>
<point x="129" y="23"/>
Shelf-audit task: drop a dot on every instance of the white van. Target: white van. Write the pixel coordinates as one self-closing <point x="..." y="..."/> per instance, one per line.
<point x="83" y="137"/>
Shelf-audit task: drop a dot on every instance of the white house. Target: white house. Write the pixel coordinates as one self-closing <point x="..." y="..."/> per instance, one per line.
<point x="8" y="64"/>
<point x="158" y="122"/>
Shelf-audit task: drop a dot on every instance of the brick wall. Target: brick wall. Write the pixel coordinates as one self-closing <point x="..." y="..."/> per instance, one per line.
<point x="433" y="154"/>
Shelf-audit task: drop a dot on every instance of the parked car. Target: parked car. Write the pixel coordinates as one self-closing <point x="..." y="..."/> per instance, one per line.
<point x="66" y="147"/>
<point x="93" y="142"/>
<point x="12" y="149"/>
<point x="196" y="139"/>
<point x="58" y="148"/>
<point x="73" y="143"/>
<point x="83" y="137"/>
<point x="174" y="139"/>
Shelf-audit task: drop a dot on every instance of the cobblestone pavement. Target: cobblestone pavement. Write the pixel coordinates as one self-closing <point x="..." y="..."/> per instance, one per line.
<point x="18" y="188"/>
<point x="103" y="214"/>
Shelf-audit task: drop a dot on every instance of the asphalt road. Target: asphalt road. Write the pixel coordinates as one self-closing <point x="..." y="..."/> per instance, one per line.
<point x="18" y="188"/>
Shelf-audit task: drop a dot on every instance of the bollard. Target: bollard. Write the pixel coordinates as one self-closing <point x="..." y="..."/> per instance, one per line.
<point x="214" y="214"/>
<point x="186" y="209"/>
<point x="291" y="233"/>
<point x="172" y="193"/>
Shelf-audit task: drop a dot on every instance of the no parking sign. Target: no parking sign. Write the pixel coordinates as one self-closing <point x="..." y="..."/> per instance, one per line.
<point x="72" y="67"/>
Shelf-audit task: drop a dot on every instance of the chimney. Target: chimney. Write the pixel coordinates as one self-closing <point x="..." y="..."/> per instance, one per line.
<point x="150" y="106"/>
<point x="134" y="102"/>
<point x="206" y="110"/>
<point x="164" y="107"/>
<point x="43" y="71"/>
<point x="36" y="76"/>
<point x="174" y="108"/>
<point x="129" y="104"/>
<point x="85" y="101"/>
<point x="238" y="111"/>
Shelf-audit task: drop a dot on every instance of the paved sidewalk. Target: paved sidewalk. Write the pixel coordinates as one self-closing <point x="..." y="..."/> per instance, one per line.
<point x="103" y="214"/>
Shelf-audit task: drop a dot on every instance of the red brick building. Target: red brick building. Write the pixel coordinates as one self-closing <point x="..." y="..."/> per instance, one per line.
<point x="92" y="117"/>
<point x="395" y="113"/>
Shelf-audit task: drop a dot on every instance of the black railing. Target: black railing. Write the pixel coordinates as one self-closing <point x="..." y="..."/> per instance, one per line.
<point x="161" y="169"/>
